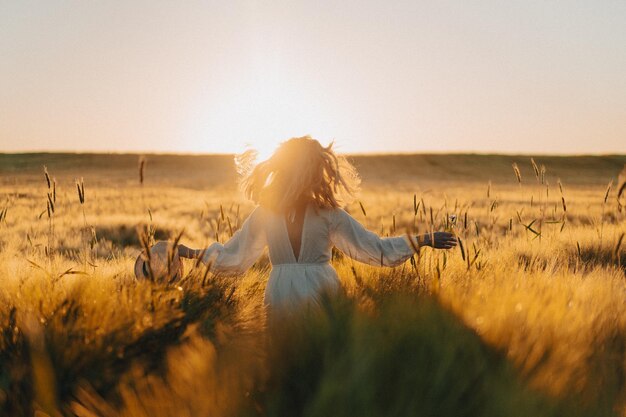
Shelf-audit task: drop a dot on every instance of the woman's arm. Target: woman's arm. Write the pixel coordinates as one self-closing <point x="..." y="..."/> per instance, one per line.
<point x="349" y="236"/>
<point x="186" y="252"/>
<point x="238" y="253"/>
<point x="360" y="244"/>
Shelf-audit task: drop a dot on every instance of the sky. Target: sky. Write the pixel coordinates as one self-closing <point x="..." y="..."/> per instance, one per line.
<point x="374" y="76"/>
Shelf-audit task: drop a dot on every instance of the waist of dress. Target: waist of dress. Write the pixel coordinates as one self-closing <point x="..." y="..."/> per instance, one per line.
<point x="302" y="264"/>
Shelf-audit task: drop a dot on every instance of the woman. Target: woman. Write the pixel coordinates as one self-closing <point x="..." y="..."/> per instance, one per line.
<point x="298" y="217"/>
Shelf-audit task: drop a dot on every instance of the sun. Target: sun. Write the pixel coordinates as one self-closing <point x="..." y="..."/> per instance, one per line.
<point x="259" y="110"/>
<point x="264" y="147"/>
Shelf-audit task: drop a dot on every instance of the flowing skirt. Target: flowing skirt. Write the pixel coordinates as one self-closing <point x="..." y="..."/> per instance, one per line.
<point x="294" y="286"/>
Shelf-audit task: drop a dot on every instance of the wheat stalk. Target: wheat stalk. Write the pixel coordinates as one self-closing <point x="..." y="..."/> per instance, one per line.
<point x="50" y="207"/>
<point x="46" y="175"/>
<point x="535" y="168"/>
<point x="517" y="172"/>
<point x="606" y="197"/>
<point x="142" y="166"/>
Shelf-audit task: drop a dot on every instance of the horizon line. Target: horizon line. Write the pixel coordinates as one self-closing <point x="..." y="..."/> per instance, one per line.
<point x="386" y="153"/>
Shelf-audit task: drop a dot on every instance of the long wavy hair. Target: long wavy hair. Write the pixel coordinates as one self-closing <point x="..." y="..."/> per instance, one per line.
<point x="301" y="170"/>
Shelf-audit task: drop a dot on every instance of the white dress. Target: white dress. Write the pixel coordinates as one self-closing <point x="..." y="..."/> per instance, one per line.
<point x="294" y="282"/>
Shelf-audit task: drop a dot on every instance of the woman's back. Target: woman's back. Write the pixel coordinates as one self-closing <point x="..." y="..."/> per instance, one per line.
<point x="297" y="279"/>
<point x="309" y="243"/>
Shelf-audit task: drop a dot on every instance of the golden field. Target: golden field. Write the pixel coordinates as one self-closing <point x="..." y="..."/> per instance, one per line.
<point x="528" y="318"/>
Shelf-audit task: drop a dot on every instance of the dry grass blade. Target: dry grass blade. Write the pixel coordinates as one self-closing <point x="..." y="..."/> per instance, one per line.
<point x="171" y="253"/>
<point x="476" y="254"/>
<point x="46" y="175"/>
<point x="230" y="294"/>
<point x="200" y="258"/>
<point x="206" y="274"/>
<point x="362" y="209"/>
<point x="62" y="274"/>
<point x="517" y="172"/>
<point x="621" y="183"/>
<point x="535" y="168"/>
<point x="461" y="248"/>
<point x="414" y="245"/>
<point x="70" y="271"/>
<point x="80" y="197"/>
<point x="621" y="189"/>
<point x="142" y="166"/>
<point x="36" y="265"/>
<point x="608" y="190"/>
<point x="145" y="241"/>
<point x="80" y="187"/>
<point x="50" y="202"/>
<point x="230" y="227"/>
<point x="529" y="227"/>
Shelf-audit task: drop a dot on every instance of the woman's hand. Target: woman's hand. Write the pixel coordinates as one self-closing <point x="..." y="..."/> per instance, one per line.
<point x="438" y="240"/>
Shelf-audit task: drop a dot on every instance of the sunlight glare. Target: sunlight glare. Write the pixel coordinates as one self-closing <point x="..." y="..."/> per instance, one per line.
<point x="263" y="147"/>
<point x="260" y="113"/>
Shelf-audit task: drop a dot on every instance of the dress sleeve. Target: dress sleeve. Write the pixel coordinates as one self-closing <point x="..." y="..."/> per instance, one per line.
<point x="241" y="250"/>
<point x="362" y="245"/>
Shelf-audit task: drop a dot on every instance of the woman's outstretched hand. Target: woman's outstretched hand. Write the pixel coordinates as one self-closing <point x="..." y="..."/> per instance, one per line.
<point x="438" y="240"/>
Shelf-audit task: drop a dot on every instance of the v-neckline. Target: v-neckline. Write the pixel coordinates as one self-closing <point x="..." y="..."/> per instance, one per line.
<point x="302" y="232"/>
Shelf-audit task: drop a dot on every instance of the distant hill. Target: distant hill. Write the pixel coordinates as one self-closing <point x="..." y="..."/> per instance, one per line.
<point x="198" y="171"/>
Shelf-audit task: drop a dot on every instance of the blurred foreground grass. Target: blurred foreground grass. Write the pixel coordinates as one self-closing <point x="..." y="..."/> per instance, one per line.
<point x="529" y="320"/>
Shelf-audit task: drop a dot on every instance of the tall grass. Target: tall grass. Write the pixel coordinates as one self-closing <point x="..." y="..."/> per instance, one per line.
<point x="509" y="323"/>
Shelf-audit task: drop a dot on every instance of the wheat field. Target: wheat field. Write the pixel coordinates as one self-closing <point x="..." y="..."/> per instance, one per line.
<point x="526" y="318"/>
